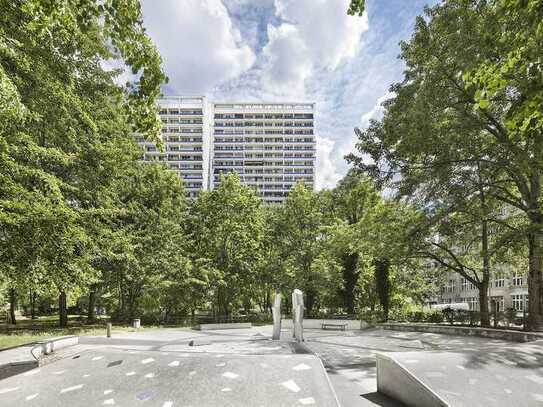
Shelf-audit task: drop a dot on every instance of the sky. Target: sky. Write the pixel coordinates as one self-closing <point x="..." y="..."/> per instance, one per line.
<point x="290" y="51"/>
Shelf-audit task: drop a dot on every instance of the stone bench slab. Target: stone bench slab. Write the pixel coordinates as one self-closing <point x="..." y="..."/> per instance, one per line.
<point x="232" y="325"/>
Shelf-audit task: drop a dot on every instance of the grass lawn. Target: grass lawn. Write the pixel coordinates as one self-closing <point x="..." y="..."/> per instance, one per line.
<point x="28" y="330"/>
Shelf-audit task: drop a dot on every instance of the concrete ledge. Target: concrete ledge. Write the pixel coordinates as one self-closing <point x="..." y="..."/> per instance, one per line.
<point x="199" y="342"/>
<point x="51" y="345"/>
<point x="396" y="381"/>
<point x="504" y="334"/>
<point x="352" y="324"/>
<point x="231" y="325"/>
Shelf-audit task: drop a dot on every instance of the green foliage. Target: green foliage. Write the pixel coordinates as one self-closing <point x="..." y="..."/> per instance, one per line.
<point x="226" y="228"/>
<point x="435" y="317"/>
<point x="462" y="137"/>
<point x="356" y="7"/>
<point x="81" y="216"/>
<point x="65" y="133"/>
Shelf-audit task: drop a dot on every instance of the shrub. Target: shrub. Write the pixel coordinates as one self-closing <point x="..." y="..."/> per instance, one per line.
<point x="462" y="316"/>
<point x="434" y="317"/>
<point x="398" y="314"/>
<point x="510" y="315"/>
<point x="448" y="314"/>
<point x="474" y="318"/>
<point x="417" y="316"/>
<point x="372" y="317"/>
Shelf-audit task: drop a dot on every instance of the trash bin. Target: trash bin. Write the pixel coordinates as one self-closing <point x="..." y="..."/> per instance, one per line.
<point x="136" y="323"/>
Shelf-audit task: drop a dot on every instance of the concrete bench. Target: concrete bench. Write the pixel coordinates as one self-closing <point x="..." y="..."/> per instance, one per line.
<point x="226" y="325"/>
<point x="50" y="345"/>
<point x="334" y="325"/>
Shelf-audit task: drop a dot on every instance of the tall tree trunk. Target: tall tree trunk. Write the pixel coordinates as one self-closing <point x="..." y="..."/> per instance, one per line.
<point x="483" y="302"/>
<point x="32" y="304"/>
<point x="535" y="277"/>
<point x="309" y="301"/>
<point x="91" y="314"/>
<point x="382" y="283"/>
<point x="483" y="287"/>
<point x="12" y="305"/>
<point x="62" y="310"/>
<point x="350" y="278"/>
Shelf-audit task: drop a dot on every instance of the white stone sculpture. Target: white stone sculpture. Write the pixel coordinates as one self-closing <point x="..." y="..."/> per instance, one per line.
<point x="298" y="315"/>
<point x="276" y="312"/>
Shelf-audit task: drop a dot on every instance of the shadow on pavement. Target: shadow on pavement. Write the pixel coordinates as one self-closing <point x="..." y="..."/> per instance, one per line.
<point x="381" y="400"/>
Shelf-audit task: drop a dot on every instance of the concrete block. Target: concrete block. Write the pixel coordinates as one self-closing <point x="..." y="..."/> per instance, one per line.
<point x="51" y="345"/>
<point x="231" y="325"/>
<point x="503" y="334"/>
<point x="416" y="344"/>
<point x="63" y="342"/>
<point x="396" y="381"/>
<point x="199" y="342"/>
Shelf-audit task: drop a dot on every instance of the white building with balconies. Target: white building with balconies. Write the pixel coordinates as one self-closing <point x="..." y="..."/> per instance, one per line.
<point x="185" y="133"/>
<point x="270" y="145"/>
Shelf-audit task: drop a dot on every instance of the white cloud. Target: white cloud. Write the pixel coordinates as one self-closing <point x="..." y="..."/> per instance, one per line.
<point x="198" y="42"/>
<point x="312" y="35"/>
<point x="326" y="170"/>
<point x="288" y="66"/>
<point x="376" y="112"/>
<point x="324" y="26"/>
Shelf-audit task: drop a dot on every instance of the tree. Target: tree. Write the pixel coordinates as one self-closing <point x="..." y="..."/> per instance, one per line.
<point x="383" y="284"/>
<point x="153" y="242"/>
<point x="454" y="109"/>
<point x="351" y="200"/>
<point x="301" y="226"/>
<point x="61" y="108"/>
<point x="226" y="229"/>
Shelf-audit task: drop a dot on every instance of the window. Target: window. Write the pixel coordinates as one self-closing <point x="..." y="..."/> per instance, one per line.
<point x="473" y="303"/>
<point x="517" y="280"/>
<point x="520" y="302"/>
<point x="499" y="281"/>
<point x="499" y="303"/>
<point x="449" y="288"/>
<point x="465" y="283"/>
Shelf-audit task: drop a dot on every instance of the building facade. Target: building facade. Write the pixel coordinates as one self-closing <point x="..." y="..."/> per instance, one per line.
<point x="270" y="145"/>
<point x="185" y="132"/>
<point x="507" y="291"/>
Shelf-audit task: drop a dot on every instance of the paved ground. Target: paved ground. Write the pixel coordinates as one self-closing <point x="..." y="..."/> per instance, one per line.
<point x="465" y="371"/>
<point x="508" y="375"/>
<point x="167" y="379"/>
<point x="245" y="368"/>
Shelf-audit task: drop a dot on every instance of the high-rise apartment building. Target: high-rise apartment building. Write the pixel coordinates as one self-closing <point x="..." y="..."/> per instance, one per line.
<point x="270" y="145"/>
<point x="185" y="132"/>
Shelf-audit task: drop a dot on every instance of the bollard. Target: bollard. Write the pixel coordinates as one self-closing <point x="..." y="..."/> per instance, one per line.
<point x="276" y="312"/>
<point x="136" y="324"/>
<point x="108" y="330"/>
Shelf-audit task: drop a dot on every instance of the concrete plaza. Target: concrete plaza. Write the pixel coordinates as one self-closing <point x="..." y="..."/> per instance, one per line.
<point x="244" y="367"/>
